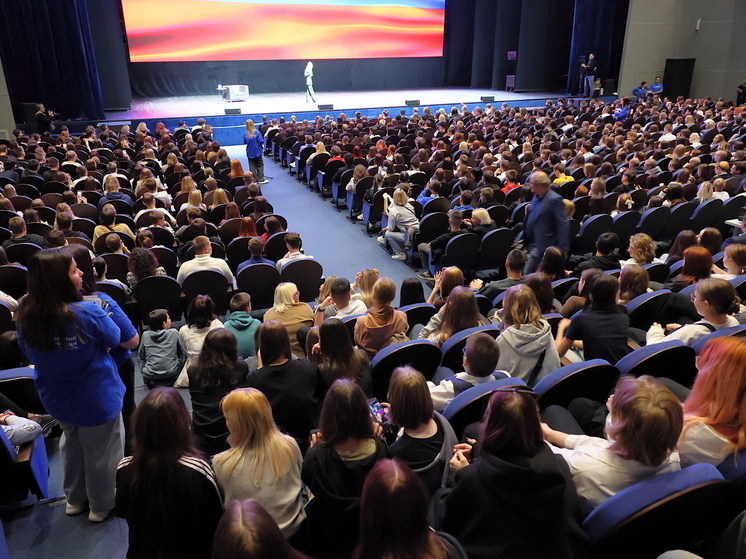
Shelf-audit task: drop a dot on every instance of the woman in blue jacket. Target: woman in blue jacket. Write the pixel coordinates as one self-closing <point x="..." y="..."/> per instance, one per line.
<point x="254" y="149"/>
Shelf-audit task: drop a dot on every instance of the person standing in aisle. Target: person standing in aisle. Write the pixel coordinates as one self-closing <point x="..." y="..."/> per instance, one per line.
<point x="254" y="149"/>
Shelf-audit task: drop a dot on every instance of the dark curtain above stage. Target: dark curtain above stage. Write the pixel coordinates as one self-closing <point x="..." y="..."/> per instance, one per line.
<point x="48" y="57"/>
<point x="598" y="27"/>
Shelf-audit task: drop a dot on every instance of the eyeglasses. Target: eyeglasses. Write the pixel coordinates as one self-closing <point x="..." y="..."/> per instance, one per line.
<point x="518" y="389"/>
<point x="693" y="296"/>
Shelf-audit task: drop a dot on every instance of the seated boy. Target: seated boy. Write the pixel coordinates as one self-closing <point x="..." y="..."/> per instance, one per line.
<point x="480" y="360"/>
<point x="242" y="324"/>
<point x="161" y="354"/>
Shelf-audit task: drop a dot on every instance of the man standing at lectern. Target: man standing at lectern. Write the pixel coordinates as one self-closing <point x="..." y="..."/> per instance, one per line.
<point x="308" y="73"/>
<point x="590" y="74"/>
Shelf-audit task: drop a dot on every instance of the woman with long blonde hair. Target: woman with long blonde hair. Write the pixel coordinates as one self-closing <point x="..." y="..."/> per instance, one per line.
<point x="293" y="314"/>
<point x="262" y="463"/>
<point x="364" y="282"/>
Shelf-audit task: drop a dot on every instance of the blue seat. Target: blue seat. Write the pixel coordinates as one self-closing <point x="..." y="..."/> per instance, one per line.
<point x="562" y="288"/>
<point x="19" y="385"/>
<point x="23" y="471"/>
<point x="594" y="379"/>
<point x="739" y="330"/>
<point x="672" y="359"/>
<point x="423" y="355"/>
<point x="349" y="322"/>
<point x="657" y="514"/>
<point x="452" y="349"/>
<point x="644" y="309"/>
<point x="418" y="313"/>
<point x="468" y="407"/>
<point x="594" y="226"/>
<point x="461" y="251"/>
<point x="739" y="282"/>
<point x="657" y="271"/>
<point x="653" y="221"/>
<point x="688" y="290"/>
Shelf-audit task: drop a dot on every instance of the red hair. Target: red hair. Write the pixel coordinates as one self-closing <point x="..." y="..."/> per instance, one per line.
<point x="718" y="397"/>
<point x="697" y="264"/>
<point x="247" y="228"/>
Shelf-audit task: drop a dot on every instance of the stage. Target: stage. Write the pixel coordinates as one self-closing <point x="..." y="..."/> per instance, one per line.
<point x="343" y="101"/>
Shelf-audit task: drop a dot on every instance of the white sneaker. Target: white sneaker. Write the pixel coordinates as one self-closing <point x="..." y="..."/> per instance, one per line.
<point x="99" y="516"/>
<point x="73" y="510"/>
<point x="399" y="256"/>
<point x="263" y="181"/>
<point x="360" y="217"/>
<point x="381" y="240"/>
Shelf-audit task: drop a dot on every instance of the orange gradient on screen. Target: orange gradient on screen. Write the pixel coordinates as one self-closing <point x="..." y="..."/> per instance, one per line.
<point x="193" y="30"/>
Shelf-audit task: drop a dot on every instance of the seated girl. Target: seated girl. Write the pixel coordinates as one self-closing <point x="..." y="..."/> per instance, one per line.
<point x="459" y="313"/>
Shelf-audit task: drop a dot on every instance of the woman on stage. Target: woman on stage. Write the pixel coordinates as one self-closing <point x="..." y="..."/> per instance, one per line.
<point x="308" y="74"/>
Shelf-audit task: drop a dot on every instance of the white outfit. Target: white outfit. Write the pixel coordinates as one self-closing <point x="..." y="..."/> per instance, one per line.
<point x="721" y="196"/>
<point x="689" y="333"/>
<point x="700" y="443"/>
<point x="290" y="258"/>
<point x="202" y="262"/>
<point x="192" y="340"/>
<point x="599" y="473"/>
<point x="356" y="306"/>
<point x="6" y="299"/>
<point x="282" y="499"/>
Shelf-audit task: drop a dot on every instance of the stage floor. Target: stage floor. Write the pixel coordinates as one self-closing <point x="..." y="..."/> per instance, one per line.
<point x="290" y="103"/>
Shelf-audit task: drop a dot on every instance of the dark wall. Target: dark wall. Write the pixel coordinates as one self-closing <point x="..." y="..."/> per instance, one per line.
<point x="544" y="44"/>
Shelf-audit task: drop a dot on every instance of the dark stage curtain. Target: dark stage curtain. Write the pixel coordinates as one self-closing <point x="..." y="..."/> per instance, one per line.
<point x="598" y="27"/>
<point x="48" y="57"/>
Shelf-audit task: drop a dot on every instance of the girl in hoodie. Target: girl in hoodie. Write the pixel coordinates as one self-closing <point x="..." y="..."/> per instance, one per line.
<point x="527" y="348"/>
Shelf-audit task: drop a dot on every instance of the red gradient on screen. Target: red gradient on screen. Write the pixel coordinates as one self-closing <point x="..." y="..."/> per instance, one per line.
<point x="185" y="30"/>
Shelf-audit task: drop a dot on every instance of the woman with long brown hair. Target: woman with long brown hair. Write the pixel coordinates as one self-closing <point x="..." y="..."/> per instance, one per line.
<point x="382" y="324"/>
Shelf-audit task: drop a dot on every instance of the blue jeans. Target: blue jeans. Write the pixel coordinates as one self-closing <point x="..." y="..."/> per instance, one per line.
<point x="589" y="86"/>
<point x="397" y="240"/>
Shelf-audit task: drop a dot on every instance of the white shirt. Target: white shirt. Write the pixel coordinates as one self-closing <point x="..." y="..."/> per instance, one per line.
<point x="599" y="473"/>
<point x="290" y="258"/>
<point x="689" y="333"/>
<point x="203" y="262"/>
<point x="443" y="393"/>
<point x="355" y="306"/>
<point x="699" y="443"/>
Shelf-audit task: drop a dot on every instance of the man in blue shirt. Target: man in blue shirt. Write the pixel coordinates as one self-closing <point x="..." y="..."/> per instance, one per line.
<point x="657" y="86"/>
<point x="546" y="221"/>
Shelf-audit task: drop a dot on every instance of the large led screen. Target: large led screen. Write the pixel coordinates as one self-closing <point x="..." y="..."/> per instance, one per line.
<point x="193" y="30"/>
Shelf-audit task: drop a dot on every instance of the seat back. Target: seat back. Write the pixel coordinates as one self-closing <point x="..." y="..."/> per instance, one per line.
<point x="677" y="221"/>
<point x="13" y="280"/>
<point x="672" y="359"/>
<point x="589" y="232"/>
<point x="494" y="249"/>
<point x="21" y="252"/>
<point x="461" y="251"/>
<point x="432" y="226"/>
<point x="561" y="288"/>
<point x="453" y="347"/>
<point x="624" y="225"/>
<point x="739" y="282"/>
<point x="422" y="355"/>
<point x="237" y="252"/>
<point x="158" y="292"/>
<point x="468" y="407"/>
<point x="644" y="309"/>
<point x="207" y="282"/>
<point x="706" y="214"/>
<point x="657" y="271"/>
<point x="739" y="331"/>
<point x="659" y="512"/>
<point x="167" y="259"/>
<point x="306" y="274"/>
<point x="259" y="281"/>
<point x="418" y="313"/>
<point x="117" y="266"/>
<point x="440" y="204"/>
<point x="275" y="247"/>
<point x="653" y="221"/>
<point x="594" y="379"/>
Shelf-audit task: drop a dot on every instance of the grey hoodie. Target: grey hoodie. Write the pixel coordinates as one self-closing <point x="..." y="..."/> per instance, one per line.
<point x="520" y="350"/>
<point x="161" y="353"/>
